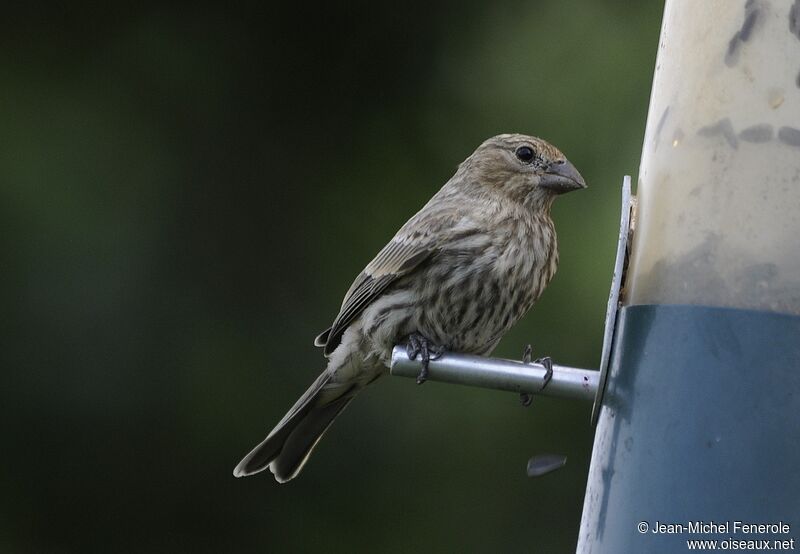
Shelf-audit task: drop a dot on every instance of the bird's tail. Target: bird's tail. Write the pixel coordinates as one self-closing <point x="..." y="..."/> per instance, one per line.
<point x="288" y="446"/>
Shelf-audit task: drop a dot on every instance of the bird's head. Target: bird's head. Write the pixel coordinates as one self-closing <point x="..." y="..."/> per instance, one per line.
<point x="525" y="168"/>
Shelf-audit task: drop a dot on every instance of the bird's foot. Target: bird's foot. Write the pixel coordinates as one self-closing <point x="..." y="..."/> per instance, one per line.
<point x="420" y="346"/>
<point x="548" y="365"/>
<point x="527" y="354"/>
<point x="526" y="398"/>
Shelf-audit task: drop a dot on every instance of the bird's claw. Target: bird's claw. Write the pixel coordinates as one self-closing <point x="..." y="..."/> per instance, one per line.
<point x="526" y="354"/>
<point x="420" y="346"/>
<point x="548" y="366"/>
<point x="526" y="398"/>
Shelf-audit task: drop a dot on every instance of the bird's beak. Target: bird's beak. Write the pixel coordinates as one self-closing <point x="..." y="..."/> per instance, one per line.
<point x="562" y="177"/>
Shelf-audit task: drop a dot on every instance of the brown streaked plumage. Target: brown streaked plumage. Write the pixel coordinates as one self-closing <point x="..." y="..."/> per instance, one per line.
<point x="460" y="273"/>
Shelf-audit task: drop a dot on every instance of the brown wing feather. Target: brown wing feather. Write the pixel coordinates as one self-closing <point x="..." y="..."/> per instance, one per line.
<point x="395" y="260"/>
<point x="433" y="227"/>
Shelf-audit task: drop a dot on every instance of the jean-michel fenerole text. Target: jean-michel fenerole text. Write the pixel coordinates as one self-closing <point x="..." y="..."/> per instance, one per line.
<point x="721" y="527"/>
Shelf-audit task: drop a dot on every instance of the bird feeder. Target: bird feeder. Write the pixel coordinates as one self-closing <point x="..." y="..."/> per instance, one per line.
<point x="697" y="401"/>
<point x="698" y="434"/>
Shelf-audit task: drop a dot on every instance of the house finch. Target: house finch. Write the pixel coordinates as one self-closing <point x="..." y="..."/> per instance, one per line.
<point x="455" y="277"/>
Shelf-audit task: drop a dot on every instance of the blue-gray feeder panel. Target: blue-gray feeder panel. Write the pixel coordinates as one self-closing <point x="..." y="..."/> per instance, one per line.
<point x="700" y="423"/>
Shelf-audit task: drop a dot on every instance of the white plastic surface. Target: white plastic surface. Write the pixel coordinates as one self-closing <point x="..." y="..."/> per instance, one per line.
<point x="718" y="220"/>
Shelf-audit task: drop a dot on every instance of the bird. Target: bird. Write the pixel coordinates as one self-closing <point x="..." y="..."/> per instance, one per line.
<point x="455" y="278"/>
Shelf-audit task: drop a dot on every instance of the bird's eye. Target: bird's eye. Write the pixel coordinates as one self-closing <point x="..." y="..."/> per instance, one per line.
<point x="525" y="154"/>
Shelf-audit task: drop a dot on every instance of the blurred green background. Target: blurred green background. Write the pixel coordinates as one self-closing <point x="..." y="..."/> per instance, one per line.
<point x="187" y="193"/>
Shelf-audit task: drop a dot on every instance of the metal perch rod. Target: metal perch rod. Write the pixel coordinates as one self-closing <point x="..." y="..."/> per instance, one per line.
<point x="494" y="373"/>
